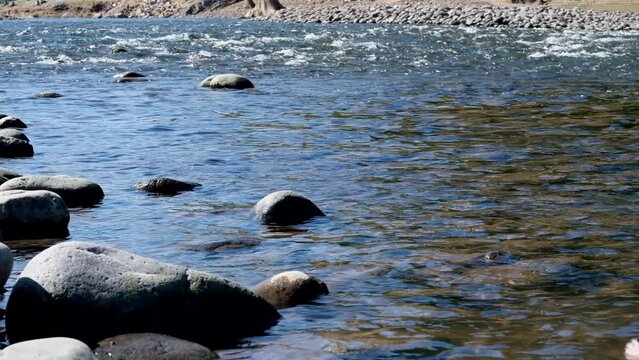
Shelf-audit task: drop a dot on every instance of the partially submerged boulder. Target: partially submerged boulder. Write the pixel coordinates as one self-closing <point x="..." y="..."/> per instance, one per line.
<point x="13" y="133"/>
<point x="11" y="122"/>
<point x="128" y="76"/>
<point x="285" y="208"/>
<point x="6" y="264"/>
<point x="74" y="191"/>
<point x="90" y="292"/>
<point x="12" y="148"/>
<point x="290" y="288"/>
<point x="227" y="81"/>
<point x="32" y="215"/>
<point x="148" y="346"/>
<point x="166" y="186"/>
<point x="55" y="348"/>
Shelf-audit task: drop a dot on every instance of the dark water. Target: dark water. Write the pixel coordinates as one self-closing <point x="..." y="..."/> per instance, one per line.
<point x="426" y="146"/>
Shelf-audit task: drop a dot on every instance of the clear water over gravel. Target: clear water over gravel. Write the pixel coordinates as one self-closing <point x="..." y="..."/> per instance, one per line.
<point x="426" y="146"/>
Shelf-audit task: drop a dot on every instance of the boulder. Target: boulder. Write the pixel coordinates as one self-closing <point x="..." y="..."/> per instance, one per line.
<point x="55" y="348"/>
<point x="11" y="122"/>
<point x="32" y="215"/>
<point x="148" y="346"/>
<point x="90" y="292"/>
<point x="285" y="208"/>
<point x="227" y="81"/>
<point x="48" y="95"/>
<point x="9" y="174"/>
<point x="129" y="76"/>
<point x="6" y="264"/>
<point x="166" y="186"/>
<point x="12" y="148"/>
<point x="13" y="133"/>
<point x="74" y="191"/>
<point x="290" y="288"/>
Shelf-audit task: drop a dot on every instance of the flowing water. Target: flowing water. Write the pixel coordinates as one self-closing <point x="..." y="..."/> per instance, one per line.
<point x="426" y="146"/>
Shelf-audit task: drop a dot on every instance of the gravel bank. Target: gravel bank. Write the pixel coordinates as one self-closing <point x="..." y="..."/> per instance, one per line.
<point x="464" y="15"/>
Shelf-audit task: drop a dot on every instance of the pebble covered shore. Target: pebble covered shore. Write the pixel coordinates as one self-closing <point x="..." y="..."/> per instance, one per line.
<point x="463" y="15"/>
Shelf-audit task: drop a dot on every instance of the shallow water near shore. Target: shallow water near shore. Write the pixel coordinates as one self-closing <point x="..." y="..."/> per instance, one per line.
<point x="426" y="147"/>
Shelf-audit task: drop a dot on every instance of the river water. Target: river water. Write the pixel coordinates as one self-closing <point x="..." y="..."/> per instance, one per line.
<point x="426" y="146"/>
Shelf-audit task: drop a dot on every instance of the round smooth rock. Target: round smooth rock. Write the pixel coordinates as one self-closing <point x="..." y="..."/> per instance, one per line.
<point x="9" y="174"/>
<point x="166" y="186"/>
<point x="129" y="76"/>
<point x="48" y="95"/>
<point x="74" y="191"/>
<point x="148" y="346"/>
<point x="14" y="133"/>
<point x="290" y="288"/>
<point x="285" y="208"/>
<point x="6" y="264"/>
<point x="227" y="81"/>
<point x="11" y="122"/>
<point x="91" y="292"/>
<point x="54" y="348"/>
<point x="12" y="148"/>
<point x="32" y="215"/>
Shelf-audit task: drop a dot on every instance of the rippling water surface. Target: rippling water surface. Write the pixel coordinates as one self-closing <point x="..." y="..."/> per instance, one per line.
<point x="426" y="146"/>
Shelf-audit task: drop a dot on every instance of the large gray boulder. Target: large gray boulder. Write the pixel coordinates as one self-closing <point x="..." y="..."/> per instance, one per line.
<point x="290" y="288"/>
<point x="148" y="346"/>
<point x="285" y="208"/>
<point x="13" y="133"/>
<point x="9" y="174"/>
<point x="11" y="122"/>
<point x="227" y="81"/>
<point x="166" y="186"/>
<point x="13" y="148"/>
<point x="32" y="215"/>
<point x="6" y="264"/>
<point x="56" y="348"/>
<point x="90" y="292"/>
<point x="74" y="191"/>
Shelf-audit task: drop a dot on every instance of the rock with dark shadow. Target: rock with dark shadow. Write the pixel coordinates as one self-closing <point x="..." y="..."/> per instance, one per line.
<point x="14" y="148"/>
<point x="128" y="76"/>
<point x="32" y="215"/>
<point x="74" y="191"/>
<point x="285" y="208"/>
<point x="9" y="174"/>
<point x="6" y="264"/>
<point x="12" y="122"/>
<point x="290" y="288"/>
<point x="91" y="292"/>
<point x="148" y="346"/>
<point x="227" y="81"/>
<point x="166" y="186"/>
<point x="14" y="133"/>
<point x="54" y="348"/>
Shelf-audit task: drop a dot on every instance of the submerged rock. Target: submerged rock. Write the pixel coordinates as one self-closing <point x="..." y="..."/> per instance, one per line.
<point x="54" y="348"/>
<point x="229" y="244"/>
<point x="119" y="50"/>
<point x="494" y="257"/>
<point x="227" y="81"/>
<point x="166" y="186"/>
<point x="74" y="191"/>
<point x="32" y="215"/>
<point x="290" y="288"/>
<point x="285" y="208"/>
<point x="90" y="291"/>
<point x="11" y="122"/>
<point x="48" y="95"/>
<point x="129" y="76"/>
<point x="11" y="148"/>
<point x="6" y="264"/>
<point x="9" y="174"/>
<point x="148" y="346"/>
<point x="14" y="133"/>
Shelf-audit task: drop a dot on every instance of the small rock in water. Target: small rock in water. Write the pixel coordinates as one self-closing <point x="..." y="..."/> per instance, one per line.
<point x="48" y="95"/>
<point x="13" y="133"/>
<point x="227" y="81"/>
<point x="147" y="346"/>
<point x="55" y="348"/>
<point x="13" y="148"/>
<point x="9" y="174"/>
<point x="12" y="122"/>
<point x="290" y="288"/>
<point x="74" y="191"/>
<point x="285" y="208"/>
<point x="631" y="351"/>
<point x="119" y="50"/>
<point x="166" y="186"/>
<point x="495" y="257"/>
<point x="32" y="215"/>
<point x="230" y="244"/>
<point x="129" y="76"/>
<point x="6" y="264"/>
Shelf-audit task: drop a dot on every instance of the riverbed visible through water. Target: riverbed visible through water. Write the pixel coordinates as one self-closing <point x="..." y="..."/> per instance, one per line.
<point x="426" y="146"/>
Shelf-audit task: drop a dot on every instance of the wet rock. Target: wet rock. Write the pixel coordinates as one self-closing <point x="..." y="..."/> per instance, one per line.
<point x="54" y="348"/>
<point x="12" y="148"/>
<point x="9" y="174"/>
<point x="495" y="257"/>
<point x="227" y="81"/>
<point x="14" y="133"/>
<point x="32" y="215"/>
<point x="6" y="264"/>
<point x="285" y="208"/>
<point x="166" y="186"/>
<point x="148" y="346"/>
<point x="11" y="122"/>
<point x="129" y="76"/>
<point x="119" y="50"/>
<point x="48" y="95"/>
<point x="631" y="350"/>
<point x="230" y="244"/>
<point x="74" y="191"/>
<point x="290" y="288"/>
<point x="90" y="292"/>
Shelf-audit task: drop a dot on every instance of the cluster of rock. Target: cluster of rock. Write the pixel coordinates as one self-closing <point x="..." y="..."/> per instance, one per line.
<point x="13" y="142"/>
<point x="465" y="15"/>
